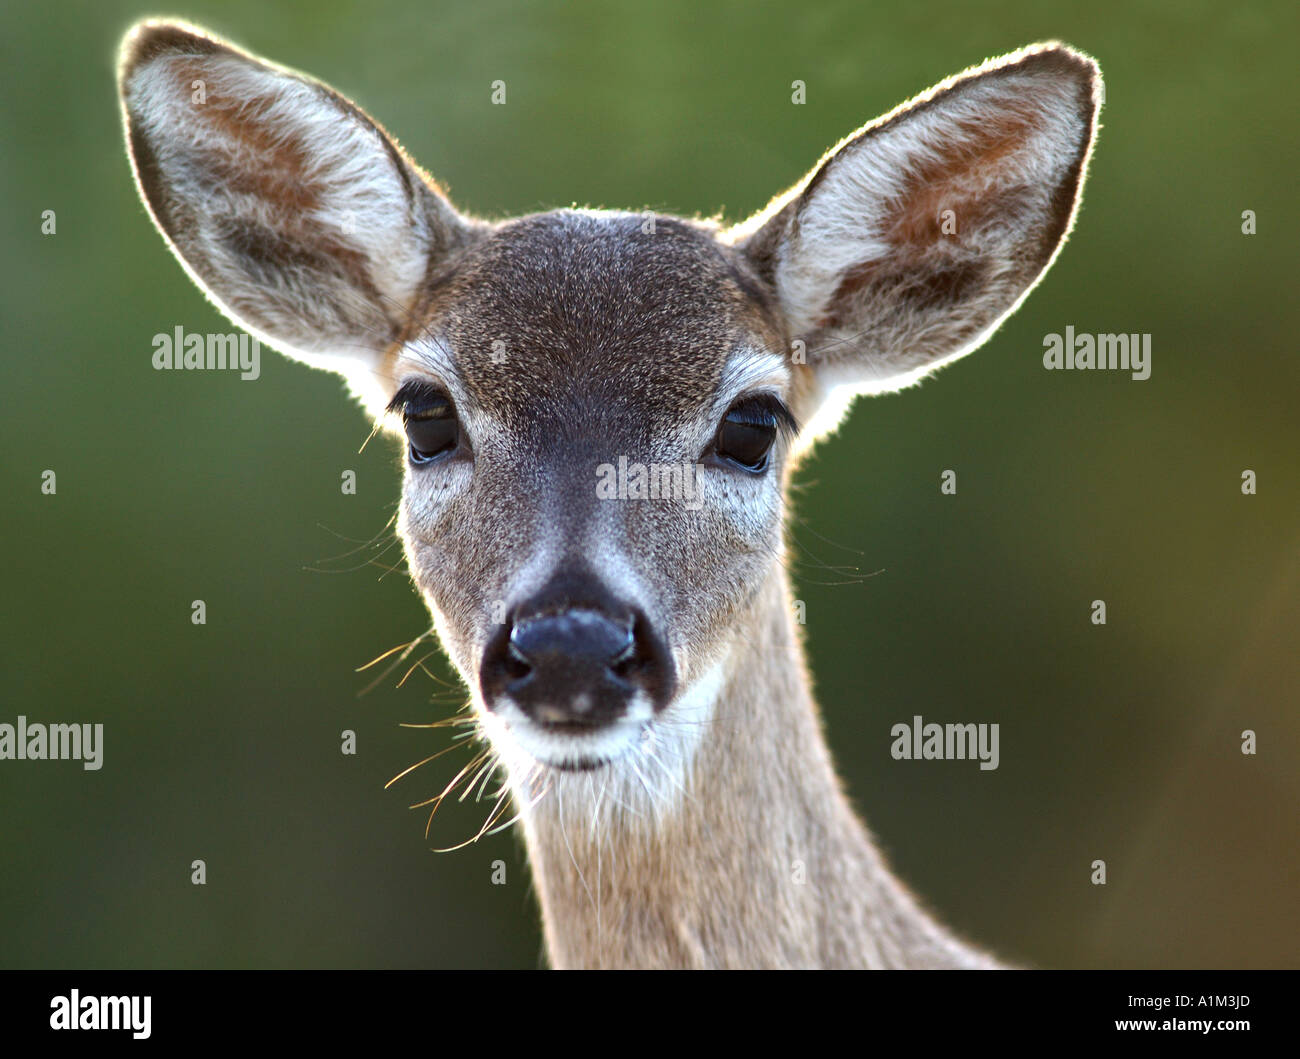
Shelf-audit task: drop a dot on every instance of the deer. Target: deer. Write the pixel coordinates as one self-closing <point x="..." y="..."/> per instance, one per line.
<point x="632" y="661"/>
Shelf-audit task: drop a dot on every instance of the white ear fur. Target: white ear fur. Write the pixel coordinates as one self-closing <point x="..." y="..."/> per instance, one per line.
<point x="289" y="207"/>
<point x="874" y="276"/>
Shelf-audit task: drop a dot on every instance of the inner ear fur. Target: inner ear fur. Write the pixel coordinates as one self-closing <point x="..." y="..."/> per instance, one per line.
<point x="918" y="234"/>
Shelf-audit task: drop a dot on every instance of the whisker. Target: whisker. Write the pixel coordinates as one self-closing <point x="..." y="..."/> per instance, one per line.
<point x="391" y="650"/>
<point x="411" y="768"/>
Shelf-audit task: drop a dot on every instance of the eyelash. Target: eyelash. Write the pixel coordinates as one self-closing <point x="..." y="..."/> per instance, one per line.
<point x="773" y="406"/>
<point x="413" y="394"/>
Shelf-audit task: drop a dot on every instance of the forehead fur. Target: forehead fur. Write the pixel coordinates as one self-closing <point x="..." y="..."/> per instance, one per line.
<point x="594" y="314"/>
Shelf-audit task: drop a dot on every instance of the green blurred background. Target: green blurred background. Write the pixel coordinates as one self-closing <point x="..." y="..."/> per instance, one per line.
<point x="1119" y="743"/>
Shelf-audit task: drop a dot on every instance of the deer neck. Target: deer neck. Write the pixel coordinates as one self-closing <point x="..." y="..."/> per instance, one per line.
<point x="754" y="859"/>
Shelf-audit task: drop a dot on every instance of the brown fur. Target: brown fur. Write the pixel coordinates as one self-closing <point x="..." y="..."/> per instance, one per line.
<point x="570" y="339"/>
<point x="764" y="864"/>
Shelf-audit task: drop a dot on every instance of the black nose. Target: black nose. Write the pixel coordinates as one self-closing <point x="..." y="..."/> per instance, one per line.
<point x="571" y="659"/>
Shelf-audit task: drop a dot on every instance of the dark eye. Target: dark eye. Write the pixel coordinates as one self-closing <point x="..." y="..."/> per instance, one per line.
<point x="432" y="428"/>
<point x="748" y="432"/>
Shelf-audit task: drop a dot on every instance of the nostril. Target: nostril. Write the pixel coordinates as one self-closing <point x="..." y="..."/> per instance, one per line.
<point x="627" y="660"/>
<point x="516" y="665"/>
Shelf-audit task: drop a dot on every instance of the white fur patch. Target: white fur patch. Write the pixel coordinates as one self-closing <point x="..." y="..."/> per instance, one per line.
<point x="647" y="769"/>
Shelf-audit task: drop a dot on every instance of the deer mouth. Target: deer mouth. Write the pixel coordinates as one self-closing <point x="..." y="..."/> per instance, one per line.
<point x="574" y="746"/>
<point x="525" y="741"/>
<point x="583" y="765"/>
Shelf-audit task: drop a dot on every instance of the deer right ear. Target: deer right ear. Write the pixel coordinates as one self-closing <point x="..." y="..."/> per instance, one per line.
<point x="292" y="209"/>
<point x="915" y="237"/>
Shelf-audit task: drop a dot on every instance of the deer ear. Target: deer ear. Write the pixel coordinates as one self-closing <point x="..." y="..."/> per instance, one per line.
<point x="917" y="235"/>
<point x="293" y="210"/>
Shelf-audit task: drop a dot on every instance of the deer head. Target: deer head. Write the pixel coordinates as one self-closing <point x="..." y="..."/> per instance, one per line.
<point x="548" y="370"/>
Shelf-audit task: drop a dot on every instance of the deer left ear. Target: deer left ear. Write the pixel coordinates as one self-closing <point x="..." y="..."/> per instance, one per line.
<point x="916" y="236"/>
<point x="289" y="206"/>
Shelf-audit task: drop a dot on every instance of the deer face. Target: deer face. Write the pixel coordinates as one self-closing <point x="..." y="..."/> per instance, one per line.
<point x="599" y="408"/>
<point x="597" y="416"/>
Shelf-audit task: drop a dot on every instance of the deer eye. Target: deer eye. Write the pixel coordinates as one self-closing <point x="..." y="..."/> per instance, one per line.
<point x="432" y="428"/>
<point x="748" y="431"/>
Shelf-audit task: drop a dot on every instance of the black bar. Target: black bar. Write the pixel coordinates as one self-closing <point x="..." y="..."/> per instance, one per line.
<point x="396" y="1010"/>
